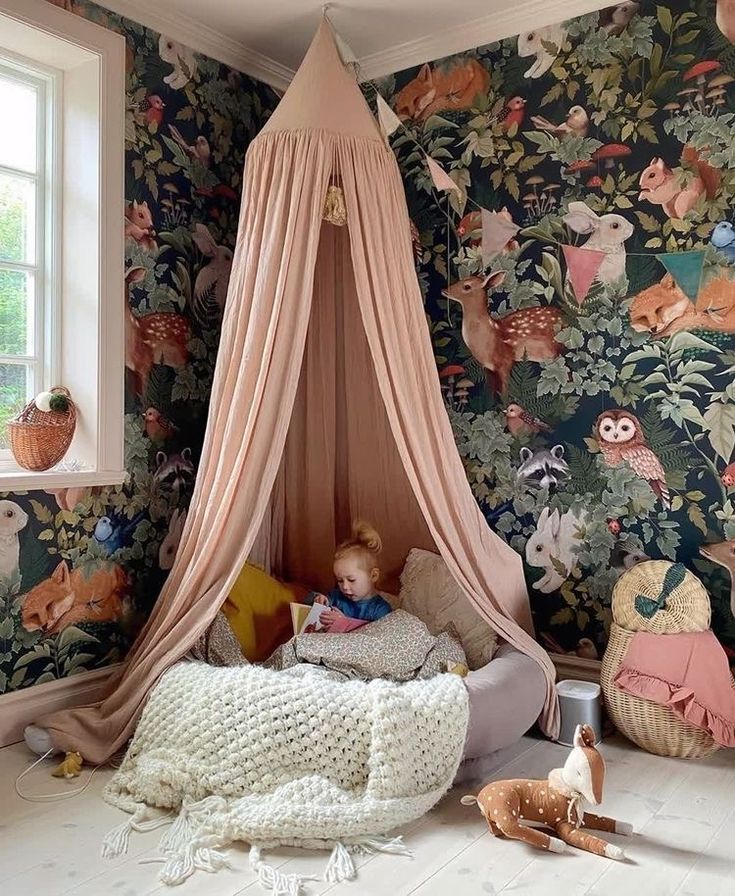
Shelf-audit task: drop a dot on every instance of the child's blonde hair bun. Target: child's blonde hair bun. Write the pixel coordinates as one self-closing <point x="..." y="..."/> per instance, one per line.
<point x="365" y="542"/>
<point x="366" y="536"/>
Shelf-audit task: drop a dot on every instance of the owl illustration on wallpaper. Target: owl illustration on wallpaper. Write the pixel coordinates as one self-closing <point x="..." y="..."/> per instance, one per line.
<point x="621" y="438"/>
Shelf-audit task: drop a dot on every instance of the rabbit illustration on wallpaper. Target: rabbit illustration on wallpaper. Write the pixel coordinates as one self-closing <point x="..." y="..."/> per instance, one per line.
<point x="12" y="520"/>
<point x="531" y="43"/>
<point x="172" y="539"/>
<point x="181" y="58"/>
<point x="213" y="278"/>
<point x="608" y="234"/>
<point x="552" y="547"/>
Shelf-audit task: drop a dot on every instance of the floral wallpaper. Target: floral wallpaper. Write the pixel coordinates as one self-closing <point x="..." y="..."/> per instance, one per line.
<point x="81" y="568"/>
<point x="597" y="429"/>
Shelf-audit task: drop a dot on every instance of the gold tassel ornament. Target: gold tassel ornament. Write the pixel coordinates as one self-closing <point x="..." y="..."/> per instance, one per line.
<point x="335" y="211"/>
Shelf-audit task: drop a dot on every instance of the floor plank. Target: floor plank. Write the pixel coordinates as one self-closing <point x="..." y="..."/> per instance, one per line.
<point x="683" y="814"/>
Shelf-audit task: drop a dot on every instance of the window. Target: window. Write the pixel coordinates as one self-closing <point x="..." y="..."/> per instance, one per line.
<point x="28" y="288"/>
<point x="61" y="233"/>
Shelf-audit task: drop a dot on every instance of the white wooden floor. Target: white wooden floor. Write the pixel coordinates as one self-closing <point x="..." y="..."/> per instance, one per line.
<point x="683" y="814"/>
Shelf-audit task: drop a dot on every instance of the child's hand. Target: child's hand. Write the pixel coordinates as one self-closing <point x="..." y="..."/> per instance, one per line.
<point x="321" y="599"/>
<point x="329" y="617"/>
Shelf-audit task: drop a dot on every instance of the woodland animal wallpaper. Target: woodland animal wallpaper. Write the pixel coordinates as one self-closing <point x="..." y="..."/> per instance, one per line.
<point x="597" y="427"/>
<point x="81" y="568"/>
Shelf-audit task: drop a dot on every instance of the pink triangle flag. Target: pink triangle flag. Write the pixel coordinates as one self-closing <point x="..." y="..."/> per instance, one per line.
<point x="440" y="178"/>
<point x="497" y="230"/>
<point x="389" y="121"/>
<point x="582" y="267"/>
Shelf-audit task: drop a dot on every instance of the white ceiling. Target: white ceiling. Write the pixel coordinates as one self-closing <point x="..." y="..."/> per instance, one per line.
<point x="268" y="38"/>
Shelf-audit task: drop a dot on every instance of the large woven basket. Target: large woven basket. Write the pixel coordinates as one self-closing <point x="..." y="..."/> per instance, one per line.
<point x="653" y="727"/>
<point x="40" y="439"/>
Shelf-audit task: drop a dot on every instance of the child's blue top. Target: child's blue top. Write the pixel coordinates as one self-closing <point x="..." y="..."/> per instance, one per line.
<point x="369" y="608"/>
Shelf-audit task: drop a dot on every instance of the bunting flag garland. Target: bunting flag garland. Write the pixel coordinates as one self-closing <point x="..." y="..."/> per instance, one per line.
<point x="497" y="230"/>
<point x="582" y="268"/>
<point x="439" y="177"/>
<point x="389" y="121"/>
<point x="686" y="269"/>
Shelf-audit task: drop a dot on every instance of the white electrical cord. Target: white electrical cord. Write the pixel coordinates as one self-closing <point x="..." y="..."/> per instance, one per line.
<point x="49" y="797"/>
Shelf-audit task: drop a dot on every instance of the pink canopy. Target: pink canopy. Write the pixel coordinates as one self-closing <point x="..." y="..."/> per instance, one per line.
<point x="326" y="403"/>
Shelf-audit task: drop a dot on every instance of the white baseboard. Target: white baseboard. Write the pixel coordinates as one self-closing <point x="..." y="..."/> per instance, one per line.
<point x="21" y="708"/>
<point x="575" y="667"/>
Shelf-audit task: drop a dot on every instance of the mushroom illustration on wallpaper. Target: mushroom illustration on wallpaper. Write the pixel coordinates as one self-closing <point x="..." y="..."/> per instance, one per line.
<point x="536" y="43"/>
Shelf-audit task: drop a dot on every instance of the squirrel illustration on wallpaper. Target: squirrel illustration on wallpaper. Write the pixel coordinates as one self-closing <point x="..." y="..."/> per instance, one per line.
<point x="663" y="186"/>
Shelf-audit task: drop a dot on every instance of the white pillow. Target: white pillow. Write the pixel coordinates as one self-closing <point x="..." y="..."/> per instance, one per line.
<point x="429" y="591"/>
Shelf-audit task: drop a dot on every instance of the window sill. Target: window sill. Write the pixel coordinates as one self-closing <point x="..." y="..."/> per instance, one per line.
<point x="14" y="478"/>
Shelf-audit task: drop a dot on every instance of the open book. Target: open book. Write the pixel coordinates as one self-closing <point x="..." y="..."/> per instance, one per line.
<point x="306" y="618"/>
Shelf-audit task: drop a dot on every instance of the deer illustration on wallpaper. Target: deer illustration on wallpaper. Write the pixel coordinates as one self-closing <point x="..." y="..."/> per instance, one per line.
<point x="158" y="338"/>
<point x="497" y="343"/>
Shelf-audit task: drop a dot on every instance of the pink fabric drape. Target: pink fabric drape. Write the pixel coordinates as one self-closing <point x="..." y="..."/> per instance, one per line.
<point x="262" y="371"/>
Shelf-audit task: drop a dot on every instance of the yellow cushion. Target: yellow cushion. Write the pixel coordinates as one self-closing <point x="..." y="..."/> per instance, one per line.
<point x="258" y="611"/>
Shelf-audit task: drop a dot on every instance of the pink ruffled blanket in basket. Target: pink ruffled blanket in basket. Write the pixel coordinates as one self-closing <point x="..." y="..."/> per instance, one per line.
<point x="689" y="673"/>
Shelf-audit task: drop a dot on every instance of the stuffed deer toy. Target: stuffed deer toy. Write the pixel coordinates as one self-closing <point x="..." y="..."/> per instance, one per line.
<point x="558" y="802"/>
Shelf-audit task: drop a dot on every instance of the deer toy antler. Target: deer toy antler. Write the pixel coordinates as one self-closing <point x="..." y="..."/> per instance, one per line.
<point x="558" y="802"/>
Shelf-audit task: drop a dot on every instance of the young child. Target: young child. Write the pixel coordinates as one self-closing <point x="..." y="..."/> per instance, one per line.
<point x="357" y="574"/>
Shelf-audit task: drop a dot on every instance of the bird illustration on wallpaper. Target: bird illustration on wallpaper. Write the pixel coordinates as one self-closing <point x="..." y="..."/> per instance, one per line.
<point x="543" y="43"/>
<point x="92" y="592"/>
<point x="13" y="519"/>
<point x="621" y="439"/>
<point x="607" y="233"/>
<point x="664" y="308"/>
<point x="436" y="90"/>
<point x="521" y="423"/>
<point x="183" y="60"/>
<point x="199" y="151"/>
<point x="497" y="343"/>
<point x="152" y="106"/>
<point x="577" y="124"/>
<point x="723" y="239"/>
<point x="115" y="531"/>
<point x="512" y="114"/>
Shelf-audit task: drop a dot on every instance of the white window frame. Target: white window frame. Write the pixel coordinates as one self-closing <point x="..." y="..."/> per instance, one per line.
<point x="84" y="66"/>
<point x="45" y="358"/>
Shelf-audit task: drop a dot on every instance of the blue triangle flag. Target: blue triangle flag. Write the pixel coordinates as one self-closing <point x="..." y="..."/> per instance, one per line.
<point x="686" y="269"/>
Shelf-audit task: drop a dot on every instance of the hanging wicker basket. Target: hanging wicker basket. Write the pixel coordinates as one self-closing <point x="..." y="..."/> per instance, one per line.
<point x="40" y="439"/>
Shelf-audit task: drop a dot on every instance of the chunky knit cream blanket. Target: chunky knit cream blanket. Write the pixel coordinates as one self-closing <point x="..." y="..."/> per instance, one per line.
<point x="297" y="757"/>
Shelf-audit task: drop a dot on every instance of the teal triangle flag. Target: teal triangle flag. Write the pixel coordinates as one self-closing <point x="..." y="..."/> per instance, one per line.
<point x="686" y="269"/>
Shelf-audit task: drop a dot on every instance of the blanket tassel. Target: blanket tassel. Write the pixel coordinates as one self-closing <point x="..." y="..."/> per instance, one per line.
<point x="340" y="866"/>
<point x="271" y="878"/>
<point x="197" y="856"/>
<point x="144" y="818"/>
